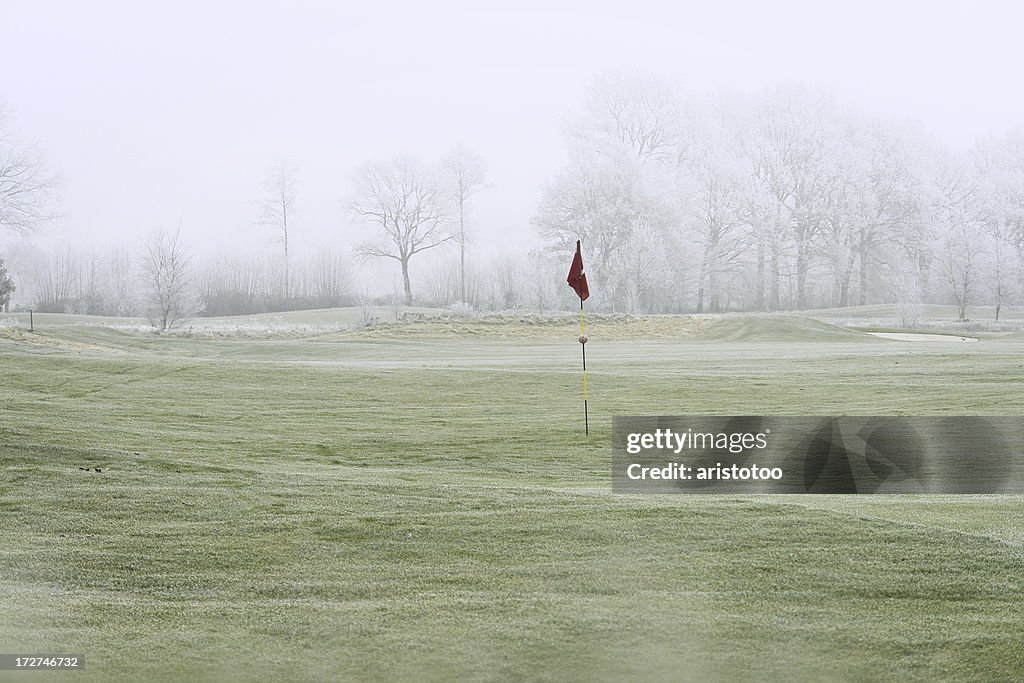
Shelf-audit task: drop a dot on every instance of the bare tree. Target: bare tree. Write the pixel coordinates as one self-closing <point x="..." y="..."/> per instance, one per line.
<point x="717" y="208"/>
<point x="6" y="286"/>
<point x="999" y="162"/>
<point x="74" y="280"/>
<point x="466" y="174"/>
<point x="54" y="277"/>
<point x="961" y="252"/>
<point x="443" y="285"/>
<point x="27" y="189"/>
<point x="235" y="284"/>
<point x="603" y="201"/>
<point x="405" y="201"/>
<point x="119" y="273"/>
<point x="329" y="275"/>
<point x="906" y="292"/>
<point x="541" y="274"/>
<point x="794" y="153"/>
<point x="278" y="205"/>
<point x="508" y="282"/>
<point x="633" y="113"/>
<point x="1000" y="242"/>
<point x="891" y="204"/>
<point x="166" y="269"/>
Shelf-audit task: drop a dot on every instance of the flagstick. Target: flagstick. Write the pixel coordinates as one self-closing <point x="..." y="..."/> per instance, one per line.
<point x="583" y="334"/>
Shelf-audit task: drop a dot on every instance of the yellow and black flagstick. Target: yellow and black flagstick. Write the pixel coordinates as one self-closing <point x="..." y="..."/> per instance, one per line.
<point x="577" y="279"/>
<point x="583" y="345"/>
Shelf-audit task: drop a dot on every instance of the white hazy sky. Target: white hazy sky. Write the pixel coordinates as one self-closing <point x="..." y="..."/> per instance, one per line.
<point x="155" y="112"/>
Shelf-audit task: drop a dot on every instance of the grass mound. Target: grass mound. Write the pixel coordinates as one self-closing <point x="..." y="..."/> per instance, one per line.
<point x="22" y="339"/>
<point x="431" y="324"/>
<point x="778" y="328"/>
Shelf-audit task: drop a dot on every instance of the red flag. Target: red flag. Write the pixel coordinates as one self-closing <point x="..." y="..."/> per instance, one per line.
<point x="577" y="278"/>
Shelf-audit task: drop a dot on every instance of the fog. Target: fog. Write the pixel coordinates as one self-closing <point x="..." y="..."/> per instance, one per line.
<point x="155" y="115"/>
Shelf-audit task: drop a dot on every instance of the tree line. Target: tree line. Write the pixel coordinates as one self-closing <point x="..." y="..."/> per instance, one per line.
<point x="781" y="199"/>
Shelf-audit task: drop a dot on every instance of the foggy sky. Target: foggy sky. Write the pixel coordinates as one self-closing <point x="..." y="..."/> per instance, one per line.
<point x="153" y="113"/>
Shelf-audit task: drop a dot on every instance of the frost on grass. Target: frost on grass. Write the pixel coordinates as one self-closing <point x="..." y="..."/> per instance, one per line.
<point x="933" y="324"/>
<point x="252" y="330"/>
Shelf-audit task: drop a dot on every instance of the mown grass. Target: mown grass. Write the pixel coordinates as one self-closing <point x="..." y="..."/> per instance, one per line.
<point x="421" y="508"/>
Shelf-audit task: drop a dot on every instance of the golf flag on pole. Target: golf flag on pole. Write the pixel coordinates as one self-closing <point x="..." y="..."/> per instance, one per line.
<point x="577" y="278"/>
<point x="578" y="281"/>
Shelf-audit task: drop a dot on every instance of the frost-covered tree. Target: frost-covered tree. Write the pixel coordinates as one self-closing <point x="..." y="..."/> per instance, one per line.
<point x="999" y="165"/>
<point x="277" y="207"/>
<point x="6" y="286"/>
<point x="27" y="188"/>
<point x="167" y="275"/>
<point x="405" y="201"/>
<point x="715" y="198"/>
<point x="617" y="192"/>
<point x="465" y="174"/>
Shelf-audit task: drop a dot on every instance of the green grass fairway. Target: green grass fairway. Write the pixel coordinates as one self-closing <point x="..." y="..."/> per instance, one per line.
<point x="420" y="503"/>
